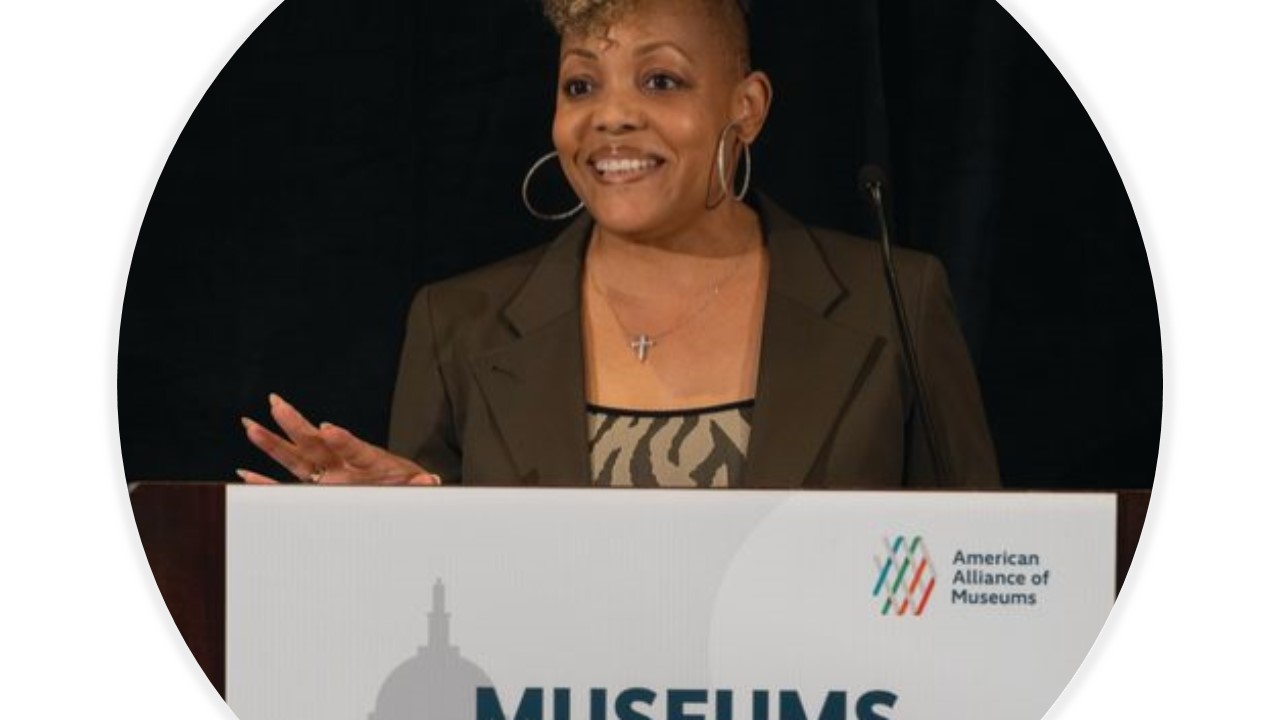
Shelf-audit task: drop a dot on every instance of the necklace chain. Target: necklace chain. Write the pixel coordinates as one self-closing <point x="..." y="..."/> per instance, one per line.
<point x="641" y="343"/>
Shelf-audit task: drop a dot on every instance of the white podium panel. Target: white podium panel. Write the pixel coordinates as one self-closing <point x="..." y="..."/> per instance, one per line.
<point x="542" y="604"/>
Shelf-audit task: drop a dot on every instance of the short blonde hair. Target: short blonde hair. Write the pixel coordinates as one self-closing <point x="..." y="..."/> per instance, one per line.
<point x="575" y="16"/>
<point x="571" y="17"/>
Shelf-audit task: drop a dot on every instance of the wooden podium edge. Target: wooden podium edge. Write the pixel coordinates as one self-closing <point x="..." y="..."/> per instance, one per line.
<point x="182" y="526"/>
<point x="1131" y="515"/>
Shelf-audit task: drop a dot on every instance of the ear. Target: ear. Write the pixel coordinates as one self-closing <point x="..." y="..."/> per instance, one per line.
<point x="752" y="98"/>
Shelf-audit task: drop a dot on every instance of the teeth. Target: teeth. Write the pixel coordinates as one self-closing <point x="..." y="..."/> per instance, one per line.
<point x="624" y="166"/>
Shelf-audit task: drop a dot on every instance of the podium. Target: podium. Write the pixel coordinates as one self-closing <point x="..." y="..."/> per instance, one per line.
<point x="559" y="604"/>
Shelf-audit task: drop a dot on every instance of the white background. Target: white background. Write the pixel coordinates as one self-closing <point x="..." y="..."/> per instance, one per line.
<point x="93" y="96"/>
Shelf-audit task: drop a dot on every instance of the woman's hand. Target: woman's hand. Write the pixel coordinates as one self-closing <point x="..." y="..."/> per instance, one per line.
<point x="327" y="454"/>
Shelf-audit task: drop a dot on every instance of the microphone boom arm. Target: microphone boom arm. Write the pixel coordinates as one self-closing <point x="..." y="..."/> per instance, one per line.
<point x="941" y="468"/>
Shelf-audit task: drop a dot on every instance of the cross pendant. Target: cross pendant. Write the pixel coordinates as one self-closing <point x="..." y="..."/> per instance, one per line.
<point x="641" y="345"/>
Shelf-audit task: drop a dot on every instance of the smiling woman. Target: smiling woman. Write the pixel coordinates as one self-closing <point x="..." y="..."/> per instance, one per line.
<point x="683" y="331"/>
<point x="647" y="109"/>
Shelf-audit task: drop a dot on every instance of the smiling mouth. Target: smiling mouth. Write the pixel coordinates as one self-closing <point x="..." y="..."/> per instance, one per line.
<point x="624" y="169"/>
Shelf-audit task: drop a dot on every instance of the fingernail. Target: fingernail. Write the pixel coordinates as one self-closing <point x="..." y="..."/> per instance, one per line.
<point x="274" y="399"/>
<point x="243" y="474"/>
<point x="246" y="422"/>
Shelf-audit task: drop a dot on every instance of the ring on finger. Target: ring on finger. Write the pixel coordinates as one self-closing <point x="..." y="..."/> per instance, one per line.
<point x="316" y="476"/>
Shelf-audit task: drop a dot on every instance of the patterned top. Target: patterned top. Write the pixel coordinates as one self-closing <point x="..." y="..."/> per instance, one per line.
<point x="700" y="447"/>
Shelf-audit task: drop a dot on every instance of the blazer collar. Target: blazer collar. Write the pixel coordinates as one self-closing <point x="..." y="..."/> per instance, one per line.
<point x="554" y="288"/>
<point x="797" y="269"/>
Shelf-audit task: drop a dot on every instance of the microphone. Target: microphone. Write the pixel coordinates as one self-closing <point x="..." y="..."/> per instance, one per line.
<point x="873" y="181"/>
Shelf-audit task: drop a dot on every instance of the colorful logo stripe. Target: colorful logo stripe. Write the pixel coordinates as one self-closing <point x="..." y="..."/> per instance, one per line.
<point x="905" y="577"/>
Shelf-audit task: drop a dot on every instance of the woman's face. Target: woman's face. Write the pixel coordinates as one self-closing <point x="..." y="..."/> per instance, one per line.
<point x="639" y="111"/>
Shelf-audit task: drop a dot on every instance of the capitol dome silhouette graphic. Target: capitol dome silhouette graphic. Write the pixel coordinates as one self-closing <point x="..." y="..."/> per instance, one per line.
<point x="437" y="683"/>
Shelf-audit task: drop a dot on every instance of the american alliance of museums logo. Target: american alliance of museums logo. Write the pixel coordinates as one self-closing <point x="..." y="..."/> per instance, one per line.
<point x="904" y="577"/>
<point x="999" y="578"/>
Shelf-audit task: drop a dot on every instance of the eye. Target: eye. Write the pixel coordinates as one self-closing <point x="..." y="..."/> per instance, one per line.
<point x="662" y="82"/>
<point x="576" y="87"/>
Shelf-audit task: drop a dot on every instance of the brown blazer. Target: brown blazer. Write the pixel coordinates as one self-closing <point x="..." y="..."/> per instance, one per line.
<point x="491" y="382"/>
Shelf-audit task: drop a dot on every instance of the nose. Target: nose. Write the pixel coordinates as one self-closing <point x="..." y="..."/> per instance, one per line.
<point x="617" y="112"/>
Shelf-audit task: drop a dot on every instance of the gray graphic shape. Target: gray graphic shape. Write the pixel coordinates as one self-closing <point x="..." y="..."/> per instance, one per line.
<point x="437" y="683"/>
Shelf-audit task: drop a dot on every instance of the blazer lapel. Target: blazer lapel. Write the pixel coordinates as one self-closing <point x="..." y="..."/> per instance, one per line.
<point x="810" y="366"/>
<point x="534" y="385"/>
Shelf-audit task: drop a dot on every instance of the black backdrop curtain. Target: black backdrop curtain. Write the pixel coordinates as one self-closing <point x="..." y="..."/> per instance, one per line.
<point x="352" y="151"/>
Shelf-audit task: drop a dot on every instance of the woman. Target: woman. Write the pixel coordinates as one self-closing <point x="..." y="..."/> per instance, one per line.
<point x="675" y="334"/>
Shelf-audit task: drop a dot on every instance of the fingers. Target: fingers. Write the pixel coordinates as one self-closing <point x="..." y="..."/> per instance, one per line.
<point x="304" y="435"/>
<point x="328" y="454"/>
<point x="355" y="452"/>
<point x="370" y="463"/>
<point x="279" y="449"/>
<point x="254" y="478"/>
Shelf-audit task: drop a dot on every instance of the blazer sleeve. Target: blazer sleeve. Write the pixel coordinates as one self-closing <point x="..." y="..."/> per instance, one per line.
<point x="422" y="425"/>
<point x="951" y="389"/>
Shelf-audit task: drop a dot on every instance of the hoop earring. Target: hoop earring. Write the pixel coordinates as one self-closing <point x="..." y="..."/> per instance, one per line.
<point x="524" y="193"/>
<point x="721" y="172"/>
